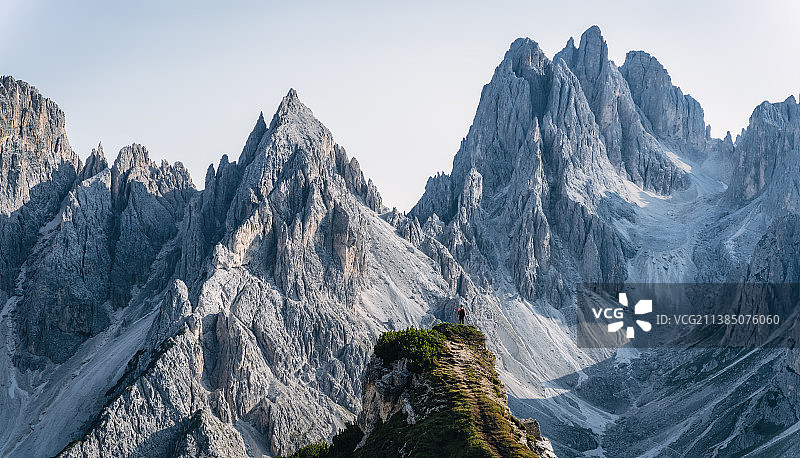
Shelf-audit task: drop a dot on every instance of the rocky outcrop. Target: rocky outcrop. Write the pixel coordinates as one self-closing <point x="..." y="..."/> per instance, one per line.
<point x="628" y="144"/>
<point x="95" y="163"/>
<point x="535" y="166"/>
<point x="438" y="199"/>
<point x="355" y="181"/>
<point x="385" y="394"/>
<point x="765" y="157"/>
<point x="37" y="169"/>
<point x="672" y="116"/>
<point x="407" y="410"/>
<point x="101" y="245"/>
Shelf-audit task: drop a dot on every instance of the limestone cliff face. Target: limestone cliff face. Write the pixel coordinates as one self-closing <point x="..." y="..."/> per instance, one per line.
<point x="672" y="115"/>
<point x="765" y="157"/>
<point x="534" y="166"/>
<point x="37" y="168"/>
<point x="111" y="224"/>
<point x="239" y="318"/>
<point x="101" y="245"/>
<point x="628" y="143"/>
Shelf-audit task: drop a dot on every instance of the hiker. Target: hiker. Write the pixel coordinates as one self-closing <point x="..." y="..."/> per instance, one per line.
<point x="461" y="314"/>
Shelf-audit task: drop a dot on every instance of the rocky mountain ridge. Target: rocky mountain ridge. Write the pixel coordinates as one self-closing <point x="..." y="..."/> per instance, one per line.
<point x="258" y="298"/>
<point x="566" y="203"/>
<point x="37" y="169"/>
<point x="142" y="317"/>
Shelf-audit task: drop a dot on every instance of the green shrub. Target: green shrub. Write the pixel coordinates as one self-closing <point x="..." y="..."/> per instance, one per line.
<point x="317" y="450"/>
<point x="421" y="347"/>
<point x="346" y="441"/>
<point x="462" y="333"/>
<point x="343" y="445"/>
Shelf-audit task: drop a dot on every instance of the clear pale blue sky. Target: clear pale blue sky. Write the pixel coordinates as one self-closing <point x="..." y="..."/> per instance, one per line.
<point x="396" y="83"/>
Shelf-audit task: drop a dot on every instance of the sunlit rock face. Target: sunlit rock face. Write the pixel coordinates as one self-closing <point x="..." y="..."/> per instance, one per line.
<point x="142" y="317"/>
<point x="231" y="321"/>
<point x="576" y="170"/>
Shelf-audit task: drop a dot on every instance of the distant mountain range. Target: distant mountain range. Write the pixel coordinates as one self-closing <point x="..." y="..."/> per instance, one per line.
<point x="142" y="317"/>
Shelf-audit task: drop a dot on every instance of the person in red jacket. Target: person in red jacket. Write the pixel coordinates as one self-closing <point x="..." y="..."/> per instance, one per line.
<point x="461" y="314"/>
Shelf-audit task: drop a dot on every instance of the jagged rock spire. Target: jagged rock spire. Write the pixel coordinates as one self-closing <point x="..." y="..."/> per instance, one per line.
<point x="628" y="144"/>
<point x="95" y="163"/>
<point x="672" y="115"/>
<point x="290" y="109"/>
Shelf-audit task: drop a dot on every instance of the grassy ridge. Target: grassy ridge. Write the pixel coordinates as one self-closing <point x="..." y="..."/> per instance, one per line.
<point x="459" y="401"/>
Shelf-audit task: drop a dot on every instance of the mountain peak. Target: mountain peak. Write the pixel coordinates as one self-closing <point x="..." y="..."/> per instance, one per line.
<point x="526" y="47"/>
<point x="131" y="156"/>
<point x="644" y="59"/>
<point x="252" y="140"/>
<point x="98" y="151"/>
<point x="291" y="95"/>
<point x="672" y="114"/>
<point x="291" y="109"/>
<point x="591" y="55"/>
<point x="592" y="41"/>
<point x="593" y="31"/>
<point x="95" y="163"/>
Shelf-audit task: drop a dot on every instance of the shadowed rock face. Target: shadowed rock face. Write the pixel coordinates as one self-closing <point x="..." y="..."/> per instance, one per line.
<point x="671" y="114"/>
<point x="766" y="156"/>
<point x="102" y="243"/>
<point x="62" y="231"/>
<point x="37" y="168"/>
